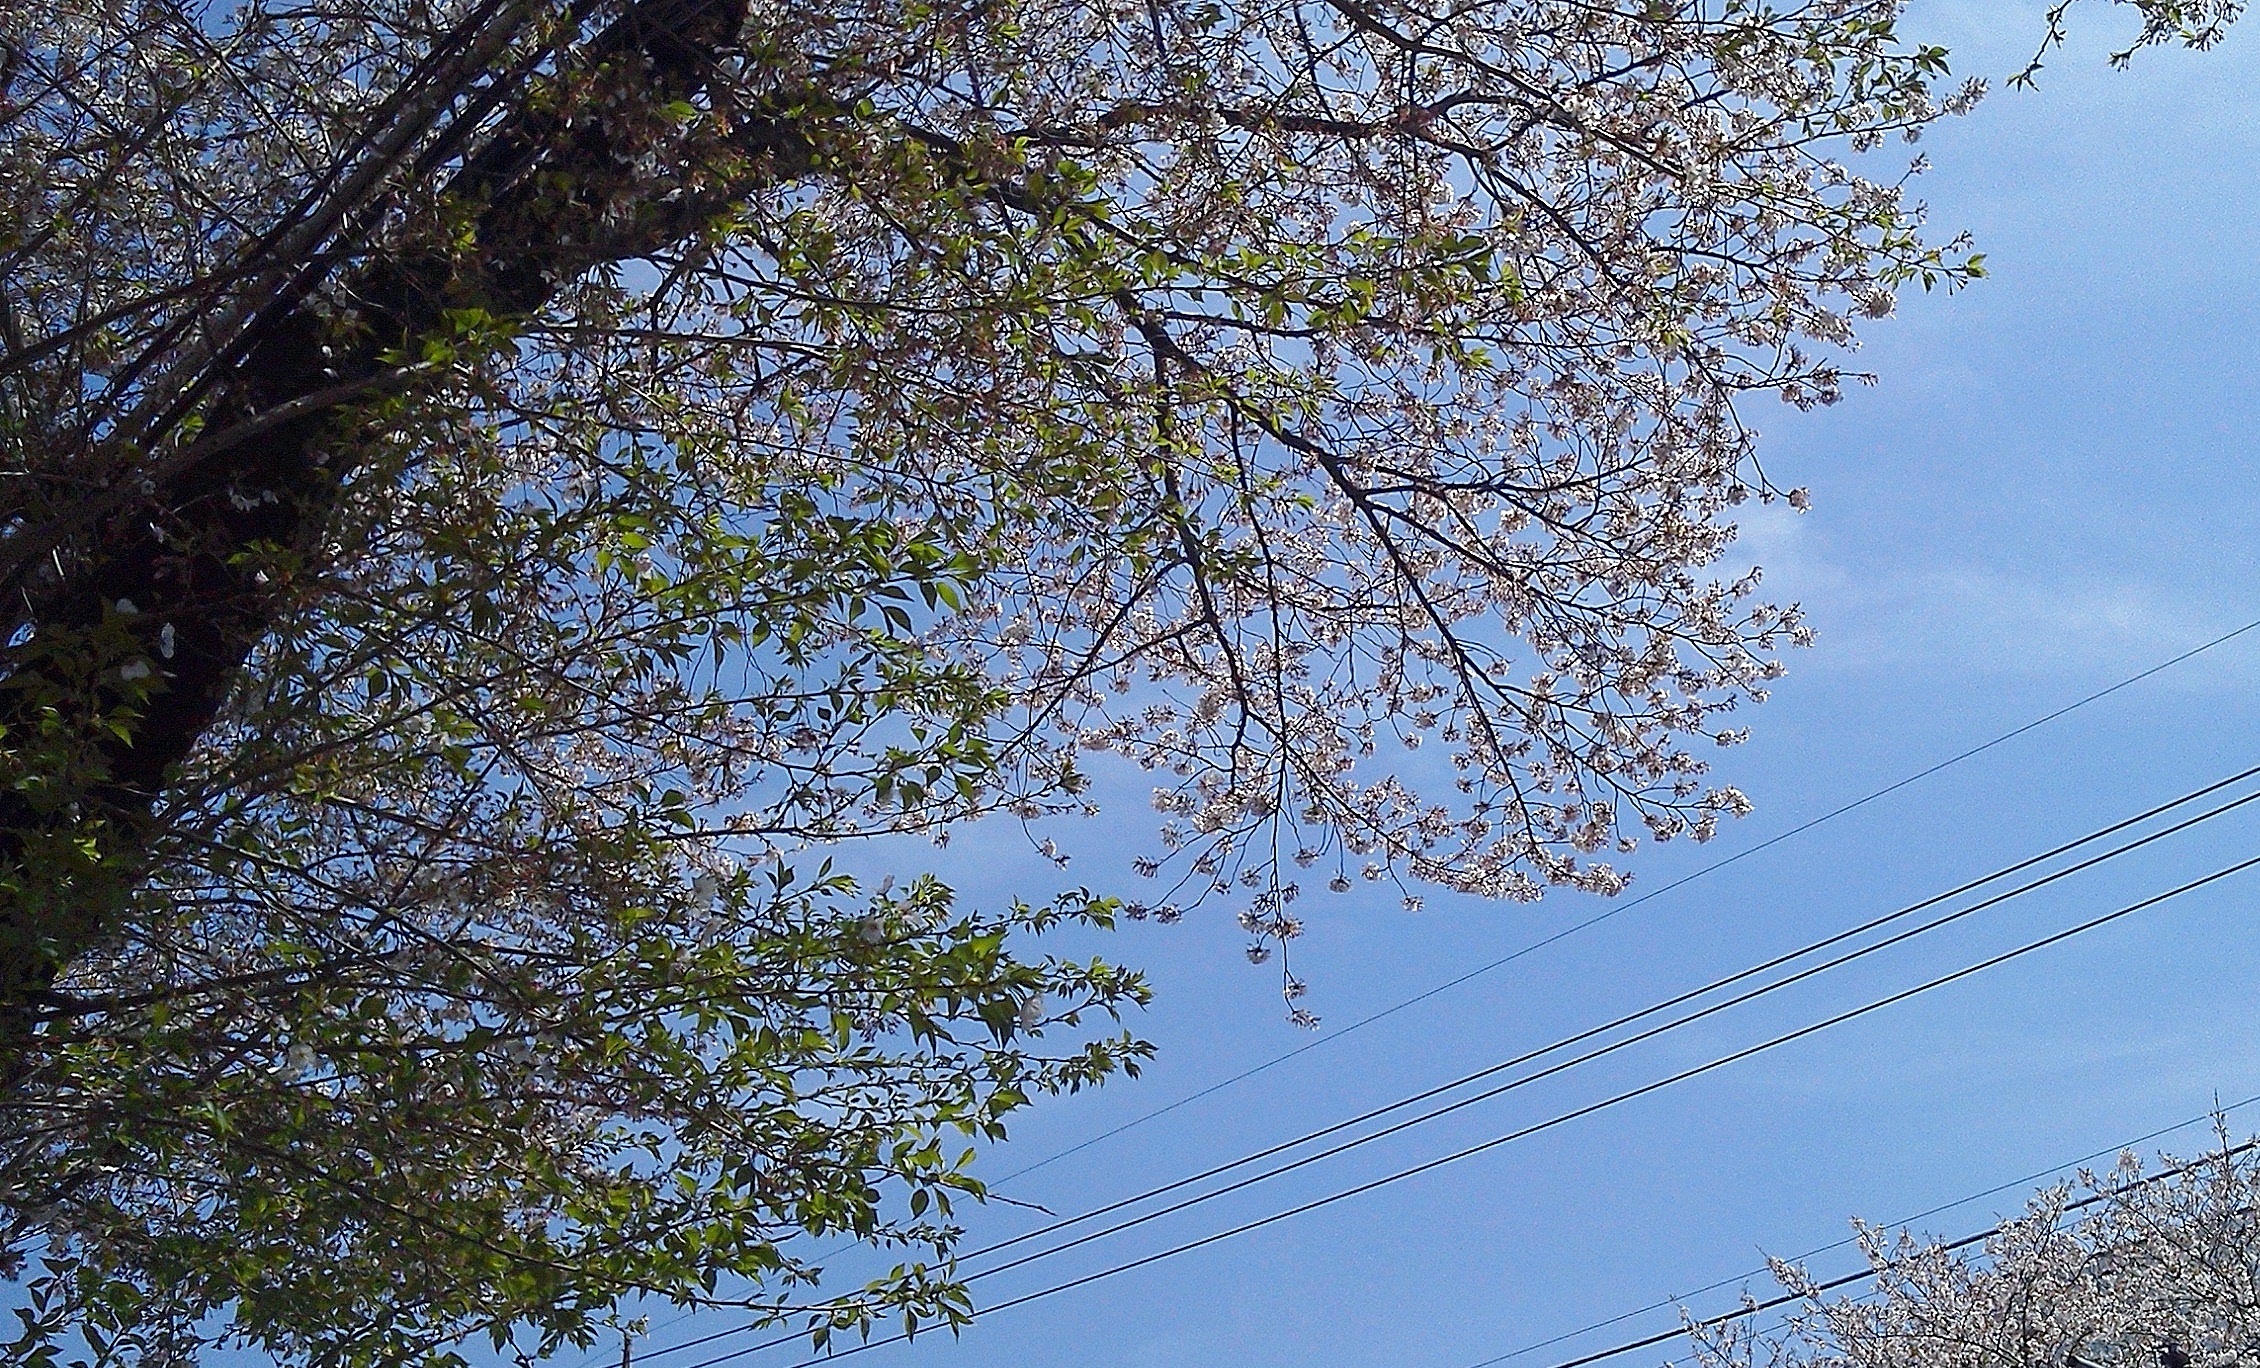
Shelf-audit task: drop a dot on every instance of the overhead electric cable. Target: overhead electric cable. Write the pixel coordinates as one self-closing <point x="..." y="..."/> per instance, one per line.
<point x="1610" y="1048"/>
<point x="1618" y="908"/>
<point x="2025" y="1182"/>
<point x="1589" y="1033"/>
<point x="1529" y="1056"/>
<point x="1536" y="1127"/>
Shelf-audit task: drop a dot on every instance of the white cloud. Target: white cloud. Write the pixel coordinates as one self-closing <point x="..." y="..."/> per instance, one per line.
<point x="1967" y="615"/>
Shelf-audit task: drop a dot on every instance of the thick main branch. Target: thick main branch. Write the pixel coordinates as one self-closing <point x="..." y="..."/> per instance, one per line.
<point x="196" y="566"/>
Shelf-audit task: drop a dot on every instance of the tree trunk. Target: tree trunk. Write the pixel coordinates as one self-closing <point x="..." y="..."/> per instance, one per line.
<point x="552" y="197"/>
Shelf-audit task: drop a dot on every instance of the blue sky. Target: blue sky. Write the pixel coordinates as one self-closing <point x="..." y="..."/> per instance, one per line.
<point x="2050" y="489"/>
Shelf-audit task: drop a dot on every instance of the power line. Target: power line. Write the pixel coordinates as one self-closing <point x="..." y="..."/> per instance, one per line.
<point x="2025" y="1182"/>
<point x="1588" y="1034"/>
<point x="1613" y="1046"/>
<point x="1536" y="1127"/>
<point x="1617" y="909"/>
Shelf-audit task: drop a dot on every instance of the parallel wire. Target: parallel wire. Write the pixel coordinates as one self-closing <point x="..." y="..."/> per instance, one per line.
<point x="1619" y="908"/>
<point x="1534" y="1128"/>
<point x="1616" y="1045"/>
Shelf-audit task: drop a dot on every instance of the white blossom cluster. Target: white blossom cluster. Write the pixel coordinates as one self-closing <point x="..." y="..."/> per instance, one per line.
<point x="1330" y="406"/>
<point x="1405" y="438"/>
<point x="2147" y="1268"/>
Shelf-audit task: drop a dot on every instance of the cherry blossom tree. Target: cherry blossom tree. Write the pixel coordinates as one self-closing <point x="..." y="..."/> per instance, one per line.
<point x="497" y="489"/>
<point x="2159" y="1267"/>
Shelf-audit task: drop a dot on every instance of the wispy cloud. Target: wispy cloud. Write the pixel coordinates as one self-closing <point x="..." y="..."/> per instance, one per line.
<point x="1964" y="614"/>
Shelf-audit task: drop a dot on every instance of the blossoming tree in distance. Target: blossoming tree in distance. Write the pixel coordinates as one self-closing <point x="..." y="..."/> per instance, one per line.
<point x="2159" y="1268"/>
